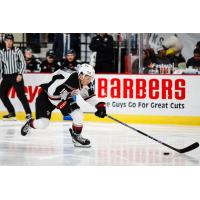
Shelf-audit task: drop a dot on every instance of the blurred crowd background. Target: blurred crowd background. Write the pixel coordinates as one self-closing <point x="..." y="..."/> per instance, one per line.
<point x="120" y="53"/>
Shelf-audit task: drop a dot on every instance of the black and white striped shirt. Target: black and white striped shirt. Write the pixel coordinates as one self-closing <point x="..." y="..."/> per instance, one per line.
<point x="12" y="61"/>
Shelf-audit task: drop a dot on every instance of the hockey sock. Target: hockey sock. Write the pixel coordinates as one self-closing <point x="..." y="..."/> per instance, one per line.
<point x="77" y="129"/>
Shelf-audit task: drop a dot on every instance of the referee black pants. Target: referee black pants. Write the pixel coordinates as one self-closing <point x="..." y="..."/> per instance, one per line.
<point x="6" y="84"/>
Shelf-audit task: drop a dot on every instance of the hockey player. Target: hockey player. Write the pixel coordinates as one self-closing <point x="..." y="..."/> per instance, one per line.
<point x="58" y="94"/>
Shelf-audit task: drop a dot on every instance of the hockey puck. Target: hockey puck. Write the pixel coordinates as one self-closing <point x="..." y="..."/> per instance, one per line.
<point x="166" y="153"/>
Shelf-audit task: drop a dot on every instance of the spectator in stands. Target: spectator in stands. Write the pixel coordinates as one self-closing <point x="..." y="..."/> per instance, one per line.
<point x="50" y="64"/>
<point x="65" y="41"/>
<point x="103" y="45"/>
<point x="2" y="43"/>
<point x="162" y="61"/>
<point x="70" y="63"/>
<point x="152" y="55"/>
<point x="176" y="59"/>
<point x="195" y="60"/>
<point x="149" y="62"/>
<point x="32" y="63"/>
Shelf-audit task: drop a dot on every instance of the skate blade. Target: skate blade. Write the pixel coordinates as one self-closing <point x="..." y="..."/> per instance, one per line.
<point x="10" y="119"/>
<point x="81" y="146"/>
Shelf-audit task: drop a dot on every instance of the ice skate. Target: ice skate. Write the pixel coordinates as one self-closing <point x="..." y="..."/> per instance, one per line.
<point x="26" y="128"/>
<point x="9" y="117"/>
<point x="78" y="140"/>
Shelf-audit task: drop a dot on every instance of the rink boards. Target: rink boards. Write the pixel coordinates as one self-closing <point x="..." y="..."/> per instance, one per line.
<point x="155" y="99"/>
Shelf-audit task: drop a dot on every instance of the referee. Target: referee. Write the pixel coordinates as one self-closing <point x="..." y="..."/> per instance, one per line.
<point x="13" y="65"/>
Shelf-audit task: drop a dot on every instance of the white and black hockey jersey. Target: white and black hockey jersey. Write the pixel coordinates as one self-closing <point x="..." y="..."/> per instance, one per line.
<point x="64" y="84"/>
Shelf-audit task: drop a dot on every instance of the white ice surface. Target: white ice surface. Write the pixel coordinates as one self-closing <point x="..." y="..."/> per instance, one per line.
<point x="112" y="145"/>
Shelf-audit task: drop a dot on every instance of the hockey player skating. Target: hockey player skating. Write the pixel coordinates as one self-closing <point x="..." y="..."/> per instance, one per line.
<point x="58" y="93"/>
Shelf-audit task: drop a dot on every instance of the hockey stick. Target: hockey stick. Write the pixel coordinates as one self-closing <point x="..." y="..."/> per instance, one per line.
<point x="184" y="150"/>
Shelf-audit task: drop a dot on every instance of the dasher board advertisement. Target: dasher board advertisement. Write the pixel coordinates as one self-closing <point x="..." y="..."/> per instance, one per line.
<point x="165" y="95"/>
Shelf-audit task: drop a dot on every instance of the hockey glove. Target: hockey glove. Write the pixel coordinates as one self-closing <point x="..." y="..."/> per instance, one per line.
<point x="101" y="110"/>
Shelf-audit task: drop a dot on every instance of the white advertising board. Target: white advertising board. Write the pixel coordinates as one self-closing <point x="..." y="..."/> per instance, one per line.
<point x="150" y="95"/>
<point x="165" y="95"/>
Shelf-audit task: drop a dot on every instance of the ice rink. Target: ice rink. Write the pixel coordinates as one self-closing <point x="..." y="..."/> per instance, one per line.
<point x="112" y="145"/>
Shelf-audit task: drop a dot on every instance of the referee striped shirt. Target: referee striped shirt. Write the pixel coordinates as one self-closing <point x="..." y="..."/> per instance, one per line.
<point x="12" y="61"/>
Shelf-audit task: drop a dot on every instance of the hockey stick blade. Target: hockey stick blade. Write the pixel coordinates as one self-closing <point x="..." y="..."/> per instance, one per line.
<point x="189" y="148"/>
